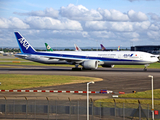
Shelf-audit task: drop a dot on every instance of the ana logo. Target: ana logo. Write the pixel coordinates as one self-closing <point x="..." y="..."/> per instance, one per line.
<point x="128" y="55"/>
<point x="24" y="42"/>
<point x="48" y="47"/>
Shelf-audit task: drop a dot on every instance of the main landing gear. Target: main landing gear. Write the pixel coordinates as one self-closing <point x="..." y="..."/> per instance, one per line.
<point x="76" y="68"/>
<point x="145" y="67"/>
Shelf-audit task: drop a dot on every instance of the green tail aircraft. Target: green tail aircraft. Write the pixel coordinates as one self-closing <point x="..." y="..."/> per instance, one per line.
<point x="48" y="47"/>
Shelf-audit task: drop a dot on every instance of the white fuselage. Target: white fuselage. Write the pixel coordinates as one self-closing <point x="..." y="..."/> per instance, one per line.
<point x="103" y="57"/>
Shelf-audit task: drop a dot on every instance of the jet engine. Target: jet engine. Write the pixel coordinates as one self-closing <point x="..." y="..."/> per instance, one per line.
<point x="108" y="66"/>
<point x="90" y="64"/>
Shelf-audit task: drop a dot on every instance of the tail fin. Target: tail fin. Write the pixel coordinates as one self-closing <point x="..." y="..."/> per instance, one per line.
<point x="118" y="48"/>
<point x="48" y="47"/>
<point x="102" y="47"/>
<point x="77" y="48"/>
<point x="24" y="46"/>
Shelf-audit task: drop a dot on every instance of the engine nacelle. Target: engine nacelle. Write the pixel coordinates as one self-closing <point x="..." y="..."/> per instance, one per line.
<point x="108" y="66"/>
<point x="90" y="64"/>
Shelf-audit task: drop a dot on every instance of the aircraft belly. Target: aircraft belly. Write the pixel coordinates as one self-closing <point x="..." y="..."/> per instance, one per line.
<point x="126" y="62"/>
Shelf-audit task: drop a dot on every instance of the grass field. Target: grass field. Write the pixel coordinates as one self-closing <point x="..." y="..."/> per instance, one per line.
<point x="18" y="81"/>
<point x="131" y="99"/>
<point x="145" y="94"/>
<point x="129" y="103"/>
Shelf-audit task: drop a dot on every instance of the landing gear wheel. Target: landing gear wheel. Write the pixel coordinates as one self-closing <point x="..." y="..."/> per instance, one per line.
<point x="85" y="69"/>
<point x="76" y="69"/>
<point x="145" y="69"/>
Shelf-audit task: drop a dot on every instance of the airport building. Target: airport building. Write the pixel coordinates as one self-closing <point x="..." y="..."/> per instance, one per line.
<point x="154" y="49"/>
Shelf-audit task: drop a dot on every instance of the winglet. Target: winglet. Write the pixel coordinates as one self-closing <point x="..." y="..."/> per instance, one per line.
<point x="24" y="45"/>
<point x="48" y="47"/>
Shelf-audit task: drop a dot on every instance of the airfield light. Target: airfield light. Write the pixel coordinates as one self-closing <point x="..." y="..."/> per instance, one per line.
<point x="152" y="96"/>
<point x="88" y="98"/>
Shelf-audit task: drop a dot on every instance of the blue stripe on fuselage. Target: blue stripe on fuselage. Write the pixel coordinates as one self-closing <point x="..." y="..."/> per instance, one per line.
<point x="80" y="57"/>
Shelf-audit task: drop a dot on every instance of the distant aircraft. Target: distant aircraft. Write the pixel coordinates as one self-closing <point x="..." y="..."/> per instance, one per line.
<point x="104" y="49"/>
<point x="1" y="52"/>
<point x="87" y="59"/>
<point x="77" y="48"/>
<point x="48" y="47"/>
<point x="118" y="48"/>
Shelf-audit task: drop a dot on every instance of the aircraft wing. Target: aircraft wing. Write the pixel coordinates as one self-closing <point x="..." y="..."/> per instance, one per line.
<point x="75" y="60"/>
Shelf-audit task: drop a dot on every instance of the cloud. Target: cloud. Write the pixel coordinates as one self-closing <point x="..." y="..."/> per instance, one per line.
<point x="13" y="22"/>
<point x="79" y="12"/>
<point x="130" y="35"/>
<point x="113" y="15"/>
<point x="154" y="35"/>
<point x="48" y="12"/>
<point x="140" y="26"/>
<point x="102" y="34"/>
<point x="154" y="16"/>
<point x="50" y="23"/>
<point x="117" y="26"/>
<point x="154" y="27"/>
<point x="40" y="23"/>
<point x="97" y="25"/>
<point x="77" y="23"/>
<point x="135" y="39"/>
<point x="137" y="16"/>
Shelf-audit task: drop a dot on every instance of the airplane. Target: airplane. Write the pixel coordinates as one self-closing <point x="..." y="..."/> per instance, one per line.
<point x="77" y="48"/>
<point x="104" y="49"/>
<point x="1" y="52"/>
<point x="50" y="49"/>
<point x="87" y="59"/>
<point x="118" y="48"/>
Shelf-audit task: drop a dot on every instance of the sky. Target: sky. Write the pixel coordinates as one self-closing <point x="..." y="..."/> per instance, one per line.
<point x="87" y="23"/>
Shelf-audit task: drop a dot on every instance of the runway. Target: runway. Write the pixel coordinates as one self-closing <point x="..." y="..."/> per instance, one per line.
<point x="115" y="79"/>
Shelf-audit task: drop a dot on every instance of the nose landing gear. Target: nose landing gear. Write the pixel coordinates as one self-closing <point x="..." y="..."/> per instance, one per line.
<point x="145" y="67"/>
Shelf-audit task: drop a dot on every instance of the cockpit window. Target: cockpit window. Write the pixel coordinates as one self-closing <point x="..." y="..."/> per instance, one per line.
<point x="152" y="56"/>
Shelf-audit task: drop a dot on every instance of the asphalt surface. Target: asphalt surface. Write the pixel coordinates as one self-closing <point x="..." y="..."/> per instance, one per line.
<point x="114" y="79"/>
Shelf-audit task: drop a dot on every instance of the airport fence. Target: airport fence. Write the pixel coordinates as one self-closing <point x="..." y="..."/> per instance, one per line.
<point x="74" y="110"/>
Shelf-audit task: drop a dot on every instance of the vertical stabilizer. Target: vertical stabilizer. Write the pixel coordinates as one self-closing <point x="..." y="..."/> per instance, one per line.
<point x="118" y="48"/>
<point x="24" y="45"/>
<point x="102" y="47"/>
<point x="77" y="48"/>
<point x="48" y="47"/>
